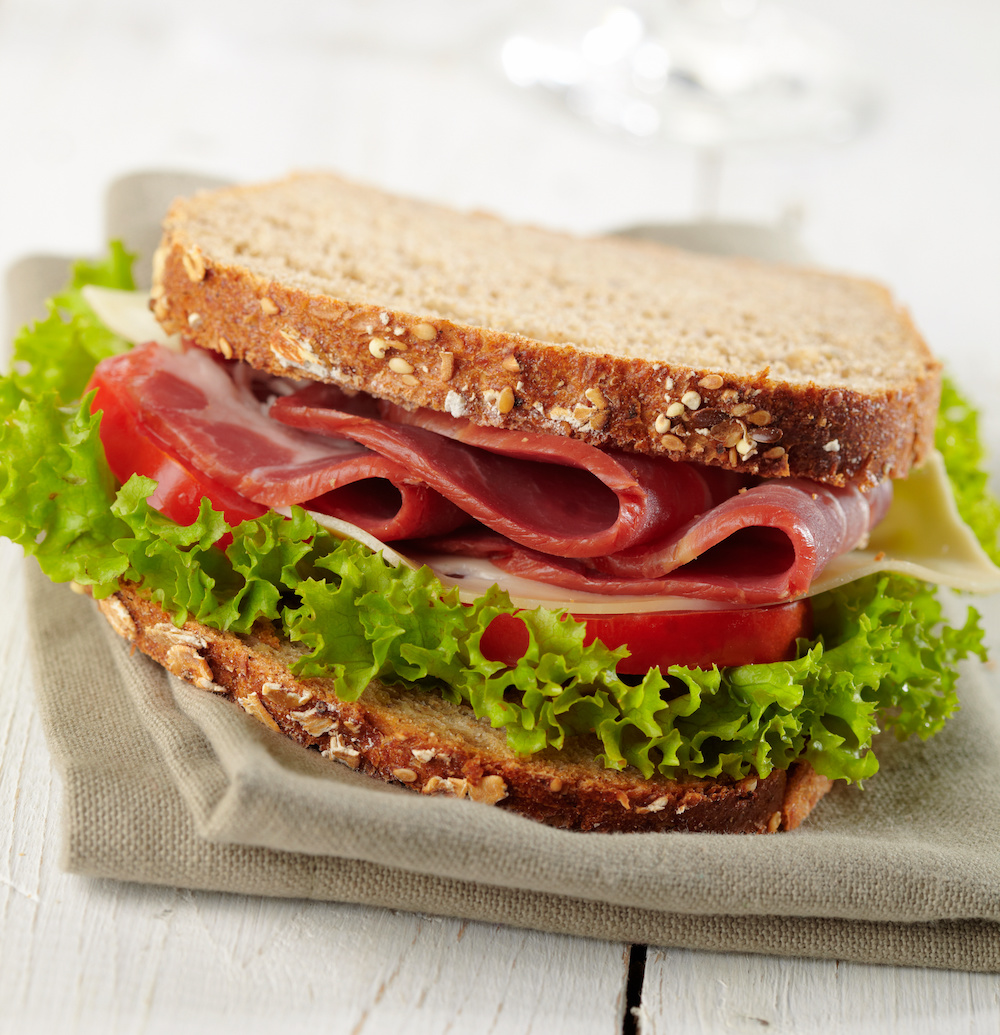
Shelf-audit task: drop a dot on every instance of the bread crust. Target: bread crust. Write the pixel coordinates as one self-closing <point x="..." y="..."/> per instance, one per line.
<point x="428" y="745"/>
<point x="750" y="422"/>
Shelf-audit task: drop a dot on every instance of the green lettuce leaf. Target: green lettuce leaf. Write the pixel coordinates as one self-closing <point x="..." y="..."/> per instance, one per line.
<point x="881" y="657"/>
<point x="958" y="440"/>
<point x="55" y="492"/>
<point x="55" y="485"/>
<point x="59" y="353"/>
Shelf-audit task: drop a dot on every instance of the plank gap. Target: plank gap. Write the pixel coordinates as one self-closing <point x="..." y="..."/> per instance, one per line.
<point x="633" y="989"/>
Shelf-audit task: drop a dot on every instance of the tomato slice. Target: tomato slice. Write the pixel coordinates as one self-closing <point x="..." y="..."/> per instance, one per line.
<point x="696" y="639"/>
<point x="700" y="639"/>
<point x="132" y="448"/>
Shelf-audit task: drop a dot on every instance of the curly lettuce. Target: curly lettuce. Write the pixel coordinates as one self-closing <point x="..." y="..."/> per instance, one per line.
<point x="957" y="439"/>
<point x="882" y="657"/>
<point x="55" y="485"/>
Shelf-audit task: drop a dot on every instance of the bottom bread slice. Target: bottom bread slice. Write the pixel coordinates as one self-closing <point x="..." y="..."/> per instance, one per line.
<point x="432" y="746"/>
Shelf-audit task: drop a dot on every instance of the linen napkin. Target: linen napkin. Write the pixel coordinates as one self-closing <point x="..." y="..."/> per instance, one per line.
<point x="168" y="784"/>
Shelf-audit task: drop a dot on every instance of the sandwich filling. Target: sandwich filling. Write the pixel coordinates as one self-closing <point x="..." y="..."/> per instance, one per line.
<point x="551" y="509"/>
<point x="879" y="653"/>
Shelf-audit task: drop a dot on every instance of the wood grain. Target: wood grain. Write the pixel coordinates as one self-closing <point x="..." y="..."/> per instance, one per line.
<point x="737" y="994"/>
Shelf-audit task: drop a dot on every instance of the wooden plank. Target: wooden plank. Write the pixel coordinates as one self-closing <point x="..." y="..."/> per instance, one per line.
<point x="736" y="994"/>
<point x="81" y="955"/>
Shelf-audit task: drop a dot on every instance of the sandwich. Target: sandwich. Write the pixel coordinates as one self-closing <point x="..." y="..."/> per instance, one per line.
<point x="615" y="536"/>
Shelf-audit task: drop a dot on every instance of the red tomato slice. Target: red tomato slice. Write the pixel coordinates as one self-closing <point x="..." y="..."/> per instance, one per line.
<point x="700" y="639"/>
<point x="697" y="639"/>
<point x="131" y="448"/>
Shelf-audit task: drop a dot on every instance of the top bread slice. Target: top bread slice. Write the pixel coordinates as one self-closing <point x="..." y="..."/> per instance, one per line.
<point x="766" y="369"/>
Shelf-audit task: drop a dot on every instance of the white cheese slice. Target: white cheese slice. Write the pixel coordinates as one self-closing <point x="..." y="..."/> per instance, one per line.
<point x="923" y="536"/>
<point x="473" y="576"/>
<point x="127" y="314"/>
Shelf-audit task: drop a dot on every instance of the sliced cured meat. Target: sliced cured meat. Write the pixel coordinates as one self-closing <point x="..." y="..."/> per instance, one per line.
<point x="388" y="508"/>
<point x="191" y="407"/>
<point x="543" y="507"/>
<point x="820" y="523"/>
<point x="759" y="547"/>
<point x="547" y="493"/>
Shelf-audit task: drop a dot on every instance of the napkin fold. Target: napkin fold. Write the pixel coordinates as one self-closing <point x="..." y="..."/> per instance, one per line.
<point x="167" y="784"/>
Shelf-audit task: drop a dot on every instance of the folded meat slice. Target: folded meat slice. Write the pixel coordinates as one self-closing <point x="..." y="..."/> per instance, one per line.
<point x="759" y="547"/>
<point x="819" y="521"/>
<point x="194" y="409"/>
<point x="718" y="539"/>
<point x="541" y="506"/>
<point x="544" y="492"/>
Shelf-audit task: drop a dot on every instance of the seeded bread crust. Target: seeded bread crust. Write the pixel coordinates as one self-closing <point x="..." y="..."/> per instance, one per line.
<point x="426" y="744"/>
<point x="773" y="370"/>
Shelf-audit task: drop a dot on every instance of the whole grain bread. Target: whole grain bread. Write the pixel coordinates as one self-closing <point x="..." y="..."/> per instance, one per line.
<point x="428" y="745"/>
<point x="768" y="369"/>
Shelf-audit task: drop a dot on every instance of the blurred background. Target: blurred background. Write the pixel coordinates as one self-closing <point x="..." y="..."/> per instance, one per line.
<point x="558" y="113"/>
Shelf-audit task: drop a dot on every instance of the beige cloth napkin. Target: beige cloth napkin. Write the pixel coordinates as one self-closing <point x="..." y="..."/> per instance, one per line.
<point x="168" y="784"/>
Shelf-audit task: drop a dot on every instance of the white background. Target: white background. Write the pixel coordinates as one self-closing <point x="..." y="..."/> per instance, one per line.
<point x="409" y="96"/>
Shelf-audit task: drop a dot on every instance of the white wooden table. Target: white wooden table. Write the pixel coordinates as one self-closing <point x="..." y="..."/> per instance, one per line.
<point x="407" y="95"/>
